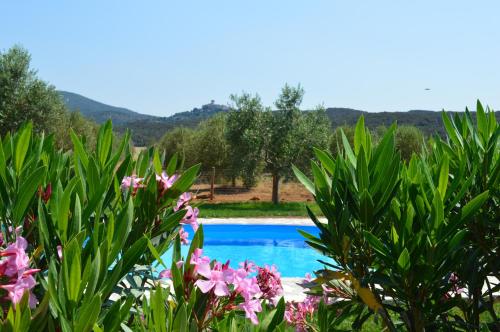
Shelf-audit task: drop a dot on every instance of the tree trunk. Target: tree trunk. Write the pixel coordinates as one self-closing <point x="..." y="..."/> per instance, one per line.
<point x="233" y="181"/>
<point x="276" y="189"/>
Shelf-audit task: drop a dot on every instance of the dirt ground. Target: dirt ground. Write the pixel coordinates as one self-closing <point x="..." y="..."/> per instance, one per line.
<point x="289" y="191"/>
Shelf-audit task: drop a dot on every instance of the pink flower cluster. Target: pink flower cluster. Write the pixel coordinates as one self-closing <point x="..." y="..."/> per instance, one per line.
<point x="455" y="290"/>
<point x="191" y="217"/>
<point x="15" y="275"/>
<point x="230" y="288"/>
<point x="297" y="313"/>
<point x="269" y="281"/>
<point x="132" y="182"/>
<point x="165" y="182"/>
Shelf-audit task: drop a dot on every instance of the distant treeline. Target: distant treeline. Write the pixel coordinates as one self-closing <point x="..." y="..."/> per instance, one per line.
<point x="149" y="131"/>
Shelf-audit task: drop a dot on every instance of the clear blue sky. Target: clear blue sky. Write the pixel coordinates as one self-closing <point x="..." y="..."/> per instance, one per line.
<point x="162" y="57"/>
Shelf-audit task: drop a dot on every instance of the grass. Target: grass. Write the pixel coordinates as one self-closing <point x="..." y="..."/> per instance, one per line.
<point x="256" y="209"/>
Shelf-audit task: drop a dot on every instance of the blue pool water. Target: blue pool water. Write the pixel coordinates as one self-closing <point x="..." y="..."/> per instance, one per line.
<point x="263" y="244"/>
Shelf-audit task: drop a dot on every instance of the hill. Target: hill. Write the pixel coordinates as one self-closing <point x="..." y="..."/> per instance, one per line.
<point x="148" y="129"/>
<point x="98" y="111"/>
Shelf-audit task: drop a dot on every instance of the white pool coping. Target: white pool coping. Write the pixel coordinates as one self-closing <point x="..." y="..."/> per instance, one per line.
<point x="259" y="221"/>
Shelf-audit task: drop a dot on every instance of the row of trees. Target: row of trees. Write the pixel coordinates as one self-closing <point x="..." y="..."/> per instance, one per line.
<point x="252" y="139"/>
<point x="25" y="97"/>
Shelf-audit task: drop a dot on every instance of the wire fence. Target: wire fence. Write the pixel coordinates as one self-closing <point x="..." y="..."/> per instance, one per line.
<point x="219" y="185"/>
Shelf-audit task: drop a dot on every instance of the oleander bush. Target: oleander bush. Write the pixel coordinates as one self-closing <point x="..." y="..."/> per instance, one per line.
<point x="413" y="242"/>
<point x="82" y="232"/>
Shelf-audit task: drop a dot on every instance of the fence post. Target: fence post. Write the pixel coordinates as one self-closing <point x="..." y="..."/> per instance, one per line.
<point x="212" y="182"/>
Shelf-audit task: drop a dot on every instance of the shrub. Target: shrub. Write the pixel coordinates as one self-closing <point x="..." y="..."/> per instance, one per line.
<point x="398" y="232"/>
<point x="86" y="234"/>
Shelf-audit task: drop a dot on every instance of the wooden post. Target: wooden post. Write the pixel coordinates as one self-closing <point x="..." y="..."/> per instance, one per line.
<point x="212" y="182"/>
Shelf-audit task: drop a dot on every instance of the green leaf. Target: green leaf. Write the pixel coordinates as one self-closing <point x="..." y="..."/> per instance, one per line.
<point x="132" y="255"/>
<point x="437" y="212"/>
<point x="347" y="149"/>
<point x="79" y="150"/>
<point x="104" y="141"/>
<point x="366" y="208"/>
<point x="323" y="317"/>
<point x="457" y="238"/>
<point x="326" y="160"/>
<point x="451" y="130"/>
<point x="278" y="316"/>
<point x="88" y="314"/>
<point x="482" y="123"/>
<point x="359" y="134"/>
<point x="157" y="162"/>
<point x="181" y="321"/>
<point x="404" y="260"/>
<point x="304" y="180"/>
<point x="172" y="165"/>
<point x="443" y="177"/>
<point x="376" y="244"/>
<point x="155" y="253"/>
<point x="22" y="144"/>
<point x="474" y="205"/>
<point x="27" y="192"/>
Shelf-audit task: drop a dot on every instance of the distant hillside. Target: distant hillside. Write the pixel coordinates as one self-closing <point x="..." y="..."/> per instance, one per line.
<point x="148" y="129"/>
<point x="100" y="112"/>
<point x="151" y="130"/>
<point x="427" y="121"/>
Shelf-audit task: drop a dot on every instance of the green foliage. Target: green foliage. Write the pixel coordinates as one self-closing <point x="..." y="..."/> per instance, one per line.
<point x="179" y="141"/>
<point x="210" y="144"/>
<point x="106" y="235"/>
<point x="289" y="134"/>
<point x="472" y="160"/>
<point x="398" y="233"/>
<point x="25" y="97"/>
<point x="245" y="138"/>
<point x="409" y="140"/>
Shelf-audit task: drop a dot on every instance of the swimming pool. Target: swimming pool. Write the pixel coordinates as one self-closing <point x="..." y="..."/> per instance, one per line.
<point x="281" y="245"/>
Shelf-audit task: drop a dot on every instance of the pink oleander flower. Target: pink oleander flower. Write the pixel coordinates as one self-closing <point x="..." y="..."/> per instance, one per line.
<point x="191" y="218"/>
<point x="217" y="280"/>
<point x="183" y="201"/>
<point x="59" y="252"/>
<point x="455" y="287"/>
<point x="297" y="313"/>
<point x="196" y="258"/>
<point x="15" y="274"/>
<point x="251" y="307"/>
<point x="269" y="281"/>
<point x="22" y="285"/>
<point x="132" y="181"/>
<point x="184" y="236"/>
<point x="165" y="182"/>
<point x="17" y="260"/>
<point x="249" y="266"/>
<point x="246" y="286"/>
<point x="167" y="273"/>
